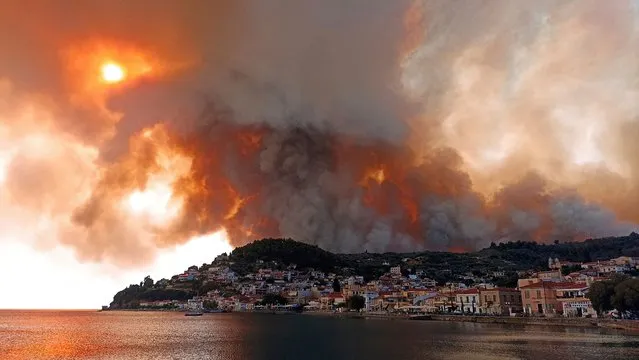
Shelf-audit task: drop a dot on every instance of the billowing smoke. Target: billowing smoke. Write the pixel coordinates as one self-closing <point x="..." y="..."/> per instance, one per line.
<point x="354" y="125"/>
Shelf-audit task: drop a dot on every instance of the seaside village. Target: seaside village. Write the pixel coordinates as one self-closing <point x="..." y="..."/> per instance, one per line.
<point x="547" y="293"/>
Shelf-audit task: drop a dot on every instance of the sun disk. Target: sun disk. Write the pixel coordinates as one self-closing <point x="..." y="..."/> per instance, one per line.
<point x="112" y="73"/>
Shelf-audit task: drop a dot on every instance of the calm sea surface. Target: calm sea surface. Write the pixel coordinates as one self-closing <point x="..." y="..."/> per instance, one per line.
<point x="28" y="335"/>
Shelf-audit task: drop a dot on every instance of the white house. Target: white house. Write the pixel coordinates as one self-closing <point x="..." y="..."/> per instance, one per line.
<point x="468" y="301"/>
<point x="396" y="270"/>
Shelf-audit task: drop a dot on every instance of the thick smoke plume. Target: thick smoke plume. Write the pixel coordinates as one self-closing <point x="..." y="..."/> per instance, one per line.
<point x="354" y="125"/>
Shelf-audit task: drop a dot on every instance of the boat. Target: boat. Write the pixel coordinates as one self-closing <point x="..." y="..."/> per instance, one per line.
<point x="193" y="313"/>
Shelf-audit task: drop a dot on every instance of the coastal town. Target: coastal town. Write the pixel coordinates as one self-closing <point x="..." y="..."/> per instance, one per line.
<point x="560" y="290"/>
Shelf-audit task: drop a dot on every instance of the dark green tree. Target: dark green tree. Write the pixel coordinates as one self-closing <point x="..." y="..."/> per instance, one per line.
<point x="626" y="296"/>
<point x="567" y="269"/>
<point x="336" y="286"/>
<point x="210" y="305"/>
<point x="356" y="302"/>
<point x="273" y="299"/>
<point x="602" y="292"/>
<point x="508" y="280"/>
<point x="147" y="283"/>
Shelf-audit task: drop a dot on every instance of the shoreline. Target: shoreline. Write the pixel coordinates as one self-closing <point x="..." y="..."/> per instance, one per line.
<point x="631" y="326"/>
<point x="626" y="325"/>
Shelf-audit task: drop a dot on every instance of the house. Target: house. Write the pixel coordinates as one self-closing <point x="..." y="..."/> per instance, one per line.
<point x="369" y="298"/>
<point x="500" y="301"/>
<point x="611" y="269"/>
<point x="350" y="290"/>
<point x="577" y="276"/>
<point x="539" y="298"/>
<point x="442" y="302"/>
<point x="572" y="300"/>
<point x="628" y="261"/>
<point x="193" y="271"/>
<point x="244" y="303"/>
<point x="186" y="277"/>
<point x="331" y="300"/>
<point x="429" y="283"/>
<point x="590" y="265"/>
<point x="553" y="275"/>
<point x="391" y="300"/>
<point x="263" y="274"/>
<point x="396" y="270"/>
<point x="555" y="264"/>
<point x="468" y="301"/>
<point x="195" y="304"/>
<point x="313" y="305"/>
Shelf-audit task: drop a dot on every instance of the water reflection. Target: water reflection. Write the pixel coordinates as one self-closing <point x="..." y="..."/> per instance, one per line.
<point x="137" y="336"/>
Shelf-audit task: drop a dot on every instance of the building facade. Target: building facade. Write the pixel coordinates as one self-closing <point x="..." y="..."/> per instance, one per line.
<point x="500" y="301"/>
<point x="539" y="298"/>
<point x="468" y="301"/>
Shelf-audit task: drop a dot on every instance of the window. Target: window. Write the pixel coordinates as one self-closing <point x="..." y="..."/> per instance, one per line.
<point x="494" y="297"/>
<point x="538" y="294"/>
<point x="512" y="298"/>
<point x="467" y="299"/>
<point x="527" y="294"/>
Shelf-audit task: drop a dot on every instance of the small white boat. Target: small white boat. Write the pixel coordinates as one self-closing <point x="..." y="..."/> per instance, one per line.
<point x="193" y="313"/>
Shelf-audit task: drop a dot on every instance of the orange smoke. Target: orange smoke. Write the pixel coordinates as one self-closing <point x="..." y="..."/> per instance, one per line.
<point x="94" y="66"/>
<point x="422" y="125"/>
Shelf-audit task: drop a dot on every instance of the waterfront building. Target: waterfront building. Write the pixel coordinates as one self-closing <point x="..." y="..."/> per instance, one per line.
<point x="500" y="301"/>
<point x="468" y="301"/>
<point x="539" y="298"/>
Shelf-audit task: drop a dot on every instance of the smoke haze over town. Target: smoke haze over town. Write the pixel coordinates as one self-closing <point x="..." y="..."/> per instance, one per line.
<point x="371" y="125"/>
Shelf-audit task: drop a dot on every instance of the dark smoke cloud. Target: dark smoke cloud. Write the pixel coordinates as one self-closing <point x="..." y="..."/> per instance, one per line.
<point x="478" y="114"/>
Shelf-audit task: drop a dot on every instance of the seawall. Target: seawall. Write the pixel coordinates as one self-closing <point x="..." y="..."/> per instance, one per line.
<point x="630" y="325"/>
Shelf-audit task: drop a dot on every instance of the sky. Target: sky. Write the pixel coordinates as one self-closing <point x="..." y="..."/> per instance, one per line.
<point x="57" y="280"/>
<point x="416" y="124"/>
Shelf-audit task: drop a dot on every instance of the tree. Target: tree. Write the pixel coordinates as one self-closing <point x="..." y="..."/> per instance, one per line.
<point x="568" y="269"/>
<point x="336" y="286"/>
<point x="508" y="280"/>
<point x="602" y="292"/>
<point x="210" y="305"/>
<point x="356" y="302"/>
<point x="147" y="283"/>
<point x="626" y="296"/>
<point x="273" y="299"/>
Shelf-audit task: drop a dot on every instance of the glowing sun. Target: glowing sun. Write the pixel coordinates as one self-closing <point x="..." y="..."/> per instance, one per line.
<point x="112" y="73"/>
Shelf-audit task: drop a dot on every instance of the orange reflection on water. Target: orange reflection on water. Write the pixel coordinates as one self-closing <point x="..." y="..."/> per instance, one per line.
<point x="46" y="335"/>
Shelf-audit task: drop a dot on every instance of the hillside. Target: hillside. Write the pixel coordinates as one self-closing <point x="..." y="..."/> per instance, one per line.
<point x="283" y="252"/>
<point x="500" y="264"/>
<point x="533" y="255"/>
